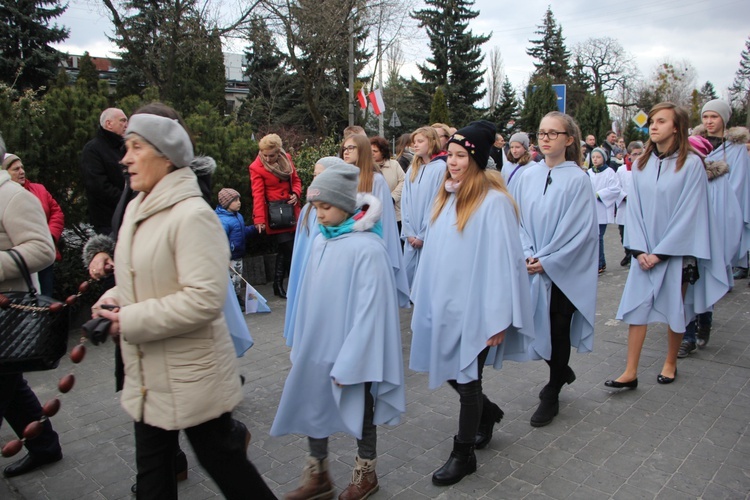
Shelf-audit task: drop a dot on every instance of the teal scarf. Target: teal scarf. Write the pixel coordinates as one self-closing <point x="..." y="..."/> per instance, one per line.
<point x="347" y="226"/>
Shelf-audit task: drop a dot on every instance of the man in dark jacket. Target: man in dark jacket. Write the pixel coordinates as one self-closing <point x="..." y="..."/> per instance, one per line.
<point x="497" y="152"/>
<point x="103" y="176"/>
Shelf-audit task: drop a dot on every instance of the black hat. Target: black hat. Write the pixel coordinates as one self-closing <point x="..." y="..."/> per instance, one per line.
<point x="477" y="138"/>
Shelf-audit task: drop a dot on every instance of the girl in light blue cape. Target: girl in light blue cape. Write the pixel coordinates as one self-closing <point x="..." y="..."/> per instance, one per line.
<point x="347" y="366"/>
<point x="729" y="146"/>
<point x="519" y="159"/>
<point x="307" y="230"/>
<point x="422" y="182"/>
<point x="666" y="230"/>
<point x="356" y="151"/>
<point x="559" y="236"/>
<point x="471" y="295"/>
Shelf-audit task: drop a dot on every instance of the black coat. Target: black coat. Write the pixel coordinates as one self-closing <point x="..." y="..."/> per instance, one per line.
<point x="103" y="176"/>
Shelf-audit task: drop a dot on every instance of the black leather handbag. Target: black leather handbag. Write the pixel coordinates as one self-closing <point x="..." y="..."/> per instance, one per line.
<point x="33" y="328"/>
<point x="280" y="215"/>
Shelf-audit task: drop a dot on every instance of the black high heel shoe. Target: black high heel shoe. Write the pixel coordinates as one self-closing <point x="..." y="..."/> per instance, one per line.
<point x="622" y="385"/>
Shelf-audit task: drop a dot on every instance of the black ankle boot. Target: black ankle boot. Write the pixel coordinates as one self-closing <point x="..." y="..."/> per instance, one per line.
<point x="278" y="277"/>
<point x="569" y="376"/>
<point x="546" y="412"/>
<point x="460" y="464"/>
<point x="491" y="414"/>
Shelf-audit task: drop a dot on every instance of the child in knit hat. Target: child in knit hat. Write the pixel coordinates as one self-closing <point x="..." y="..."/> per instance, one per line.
<point x="347" y="367"/>
<point x="231" y="219"/>
<point x="607" y="189"/>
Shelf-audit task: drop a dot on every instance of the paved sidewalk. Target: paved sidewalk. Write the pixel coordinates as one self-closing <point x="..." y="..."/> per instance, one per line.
<point x="685" y="440"/>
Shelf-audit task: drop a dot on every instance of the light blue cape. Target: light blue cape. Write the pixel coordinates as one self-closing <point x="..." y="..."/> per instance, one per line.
<point x="725" y="232"/>
<point x="559" y="228"/>
<point x="470" y="286"/>
<point x="736" y="157"/>
<point x="391" y="238"/>
<point x="667" y="215"/>
<point x="416" y="209"/>
<point x="346" y="329"/>
<point x="303" y="239"/>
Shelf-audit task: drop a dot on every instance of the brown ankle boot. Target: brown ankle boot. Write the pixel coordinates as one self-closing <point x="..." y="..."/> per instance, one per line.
<point x="316" y="483"/>
<point x="364" y="481"/>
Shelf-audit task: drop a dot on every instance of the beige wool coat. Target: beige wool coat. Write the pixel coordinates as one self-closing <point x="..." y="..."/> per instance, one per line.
<point x="23" y="226"/>
<point x="171" y="271"/>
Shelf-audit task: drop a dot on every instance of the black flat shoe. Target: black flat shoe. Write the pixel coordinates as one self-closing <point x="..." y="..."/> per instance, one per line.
<point x="666" y="380"/>
<point x="622" y="385"/>
<point x="29" y="463"/>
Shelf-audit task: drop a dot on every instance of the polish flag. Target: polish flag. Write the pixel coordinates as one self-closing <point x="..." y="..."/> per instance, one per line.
<point x="362" y="98"/>
<point x="376" y="98"/>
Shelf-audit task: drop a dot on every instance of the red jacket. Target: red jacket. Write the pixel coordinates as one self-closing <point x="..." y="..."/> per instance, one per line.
<point x="53" y="212"/>
<point x="266" y="186"/>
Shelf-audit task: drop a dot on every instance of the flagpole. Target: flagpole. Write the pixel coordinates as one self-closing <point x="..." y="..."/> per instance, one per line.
<point x="381" y="118"/>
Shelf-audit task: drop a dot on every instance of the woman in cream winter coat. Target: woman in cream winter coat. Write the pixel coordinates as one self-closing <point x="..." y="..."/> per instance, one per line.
<point x="171" y="271"/>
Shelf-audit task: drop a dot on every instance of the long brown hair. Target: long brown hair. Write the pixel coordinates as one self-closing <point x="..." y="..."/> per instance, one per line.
<point x="433" y="140"/>
<point x="366" y="165"/>
<point x="681" y="144"/>
<point x="472" y="191"/>
<point x="573" y="151"/>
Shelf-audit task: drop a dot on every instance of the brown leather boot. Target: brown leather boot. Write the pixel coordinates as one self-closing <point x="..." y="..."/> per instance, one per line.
<point x="364" y="481"/>
<point x="316" y="483"/>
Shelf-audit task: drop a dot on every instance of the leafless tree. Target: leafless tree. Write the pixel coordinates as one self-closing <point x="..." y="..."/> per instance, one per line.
<point x="495" y="76"/>
<point x="606" y="65"/>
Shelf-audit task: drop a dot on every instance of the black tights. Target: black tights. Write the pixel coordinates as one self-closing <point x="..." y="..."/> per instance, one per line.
<point x="472" y="401"/>
<point x="560" y="315"/>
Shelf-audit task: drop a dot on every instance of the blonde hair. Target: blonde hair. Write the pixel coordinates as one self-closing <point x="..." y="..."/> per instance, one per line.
<point x="270" y="141"/>
<point x="365" y="163"/>
<point x="444" y="127"/>
<point x="472" y="191"/>
<point x="433" y="141"/>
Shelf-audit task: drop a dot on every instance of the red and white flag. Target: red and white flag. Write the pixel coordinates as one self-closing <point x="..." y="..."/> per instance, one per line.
<point x="376" y="98"/>
<point x="362" y="98"/>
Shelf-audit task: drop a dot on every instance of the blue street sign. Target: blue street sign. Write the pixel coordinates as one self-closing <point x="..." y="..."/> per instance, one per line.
<point x="560" y="90"/>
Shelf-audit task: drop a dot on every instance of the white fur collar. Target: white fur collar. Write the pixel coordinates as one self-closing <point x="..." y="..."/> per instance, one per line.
<point x="373" y="213"/>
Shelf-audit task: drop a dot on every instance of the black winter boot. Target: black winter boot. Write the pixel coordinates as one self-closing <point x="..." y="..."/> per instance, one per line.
<point x="547" y="410"/>
<point x="491" y="414"/>
<point x="278" y="277"/>
<point x="569" y="376"/>
<point x="460" y="464"/>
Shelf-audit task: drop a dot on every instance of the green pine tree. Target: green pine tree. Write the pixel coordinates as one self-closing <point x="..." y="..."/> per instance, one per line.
<point x="540" y="100"/>
<point x="439" y="110"/>
<point x="507" y="110"/>
<point x="269" y="84"/>
<point x="593" y="116"/>
<point x="456" y="58"/>
<point x="550" y="51"/>
<point x="740" y="90"/>
<point x="88" y="76"/>
<point x="26" y="58"/>
<point x="168" y="45"/>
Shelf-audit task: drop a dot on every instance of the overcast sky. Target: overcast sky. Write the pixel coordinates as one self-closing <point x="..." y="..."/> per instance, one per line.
<point x="708" y="34"/>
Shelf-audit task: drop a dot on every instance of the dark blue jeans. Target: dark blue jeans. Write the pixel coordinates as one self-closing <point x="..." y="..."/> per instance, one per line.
<point x="20" y="406"/>
<point x="602" y="260"/>
<point x="704" y="319"/>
